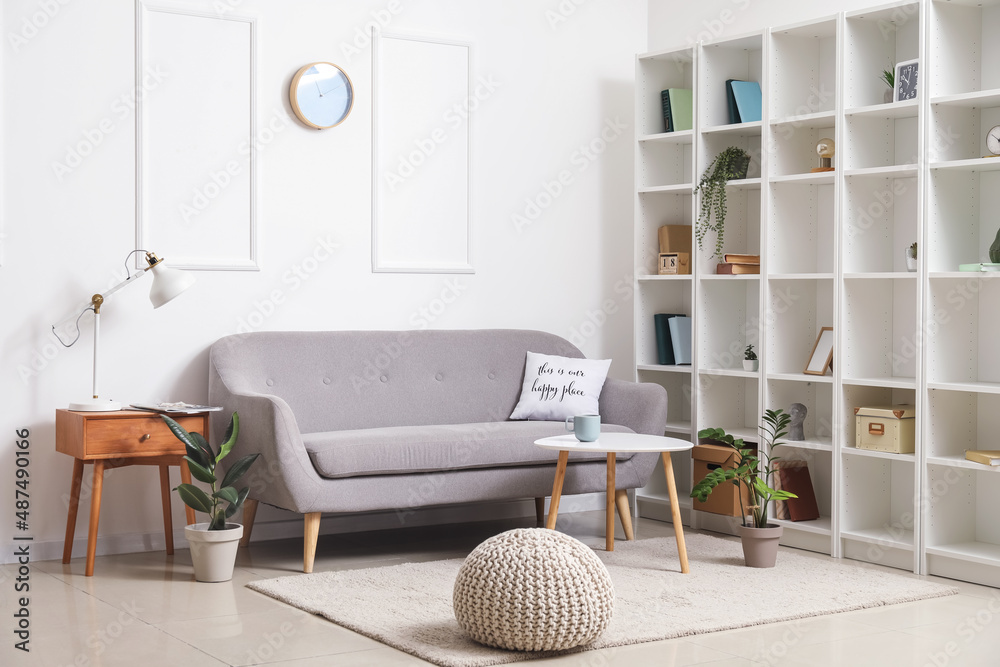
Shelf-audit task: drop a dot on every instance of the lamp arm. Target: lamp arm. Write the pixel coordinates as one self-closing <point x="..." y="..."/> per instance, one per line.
<point x="93" y="304"/>
<point x="139" y="273"/>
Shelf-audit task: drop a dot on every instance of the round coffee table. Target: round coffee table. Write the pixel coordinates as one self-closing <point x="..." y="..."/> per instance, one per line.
<point x="612" y="444"/>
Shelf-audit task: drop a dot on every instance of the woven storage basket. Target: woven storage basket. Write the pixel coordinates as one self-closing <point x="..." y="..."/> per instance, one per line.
<point x="533" y="589"/>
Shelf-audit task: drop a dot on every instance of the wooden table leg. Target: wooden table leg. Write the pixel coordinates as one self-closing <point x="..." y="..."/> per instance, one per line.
<point x="74" y="505"/>
<point x="609" y="511"/>
<point x="95" y="515"/>
<point x="557" y="490"/>
<point x="675" y="511"/>
<point x="186" y="478"/>
<point x="168" y="524"/>
<point x="621" y="501"/>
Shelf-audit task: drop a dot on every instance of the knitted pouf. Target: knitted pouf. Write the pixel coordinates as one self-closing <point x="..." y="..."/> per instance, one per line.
<point x="533" y="589"/>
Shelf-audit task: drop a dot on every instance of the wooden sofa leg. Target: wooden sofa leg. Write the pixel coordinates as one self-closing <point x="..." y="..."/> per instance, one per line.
<point x="540" y="510"/>
<point x="249" y="514"/>
<point x="311" y="537"/>
<point x="621" y="501"/>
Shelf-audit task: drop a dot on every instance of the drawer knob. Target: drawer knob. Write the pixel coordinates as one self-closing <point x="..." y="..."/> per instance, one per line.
<point x="144" y="437"/>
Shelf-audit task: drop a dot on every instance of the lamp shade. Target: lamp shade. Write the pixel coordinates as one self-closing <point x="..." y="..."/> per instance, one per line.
<point x="167" y="283"/>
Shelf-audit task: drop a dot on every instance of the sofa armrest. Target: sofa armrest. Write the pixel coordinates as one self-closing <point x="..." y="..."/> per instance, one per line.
<point x="641" y="406"/>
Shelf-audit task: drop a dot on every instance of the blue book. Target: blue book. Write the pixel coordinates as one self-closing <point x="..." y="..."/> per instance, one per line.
<point x="748" y="100"/>
<point x="680" y="338"/>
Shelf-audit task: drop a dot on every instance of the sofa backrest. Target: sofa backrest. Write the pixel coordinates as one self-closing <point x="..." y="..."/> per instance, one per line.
<point x="339" y="380"/>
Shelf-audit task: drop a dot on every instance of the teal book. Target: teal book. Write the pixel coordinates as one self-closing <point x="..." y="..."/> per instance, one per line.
<point x="734" y="114"/>
<point x="681" y="108"/>
<point x="748" y="100"/>
<point x="664" y="348"/>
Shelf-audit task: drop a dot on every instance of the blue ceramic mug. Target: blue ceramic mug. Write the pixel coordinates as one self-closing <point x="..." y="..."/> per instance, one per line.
<point x="586" y="428"/>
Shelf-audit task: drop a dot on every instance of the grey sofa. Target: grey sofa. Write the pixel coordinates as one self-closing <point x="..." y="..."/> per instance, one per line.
<point x="361" y="421"/>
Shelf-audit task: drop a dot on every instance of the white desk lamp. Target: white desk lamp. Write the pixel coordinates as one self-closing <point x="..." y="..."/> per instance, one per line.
<point x="167" y="284"/>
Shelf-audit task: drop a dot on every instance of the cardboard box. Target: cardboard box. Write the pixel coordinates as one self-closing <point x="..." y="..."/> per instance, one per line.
<point x="674" y="264"/>
<point x="724" y="498"/>
<point x="886" y="428"/>
<point x="675" y="238"/>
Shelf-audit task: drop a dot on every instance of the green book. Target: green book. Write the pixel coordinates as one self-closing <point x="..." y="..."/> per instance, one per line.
<point x="681" y="108"/>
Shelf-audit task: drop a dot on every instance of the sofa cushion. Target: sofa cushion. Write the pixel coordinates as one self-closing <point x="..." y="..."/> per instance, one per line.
<point x="400" y="450"/>
<point x="556" y="388"/>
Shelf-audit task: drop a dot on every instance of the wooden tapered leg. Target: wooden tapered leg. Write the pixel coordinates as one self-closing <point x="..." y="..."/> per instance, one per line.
<point x="621" y="501"/>
<point x="609" y="524"/>
<point x="168" y="523"/>
<point x="186" y="478"/>
<point x="311" y="537"/>
<point x="675" y="511"/>
<point x="557" y="490"/>
<point x="249" y="514"/>
<point x="74" y="505"/>
<point x="540" y="510"/>
<point x="95" y="515"/>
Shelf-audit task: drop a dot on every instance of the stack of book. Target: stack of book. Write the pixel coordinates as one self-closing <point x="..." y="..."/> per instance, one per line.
<point x="673" y="339"/>
<point x="736" y="265"/>
<point x="988" y="457"/>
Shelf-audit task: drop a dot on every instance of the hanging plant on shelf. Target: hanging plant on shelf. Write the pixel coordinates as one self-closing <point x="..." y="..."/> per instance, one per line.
<point x="727" y="165"/>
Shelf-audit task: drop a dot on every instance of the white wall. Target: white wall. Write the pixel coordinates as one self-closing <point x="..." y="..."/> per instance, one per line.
<point x="561" y="83"/>
<point x="673" y="24"/>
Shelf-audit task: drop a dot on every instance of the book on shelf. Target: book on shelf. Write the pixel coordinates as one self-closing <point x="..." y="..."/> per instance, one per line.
<point x="680" y="338"/>
<point x="747" y="97"/>
<point x="793" y="476"/>
<point x="678" y="109"/>
<point x="730" y="269"/>
<point x="741" y="259"/>
<point x="734" y="113"/>
<point x="668" y="121"/>
<point x="984" y="266"/>
<point x="664" y="347"/>
<point x="989" y="457"/>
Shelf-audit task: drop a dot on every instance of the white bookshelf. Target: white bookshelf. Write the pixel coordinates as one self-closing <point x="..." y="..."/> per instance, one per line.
<point x="832" y="247"/>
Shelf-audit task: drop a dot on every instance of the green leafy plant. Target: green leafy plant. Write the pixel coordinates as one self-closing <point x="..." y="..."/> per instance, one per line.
<point x="727" y="165"/>
<point x="912" y="250"/>
<point x="751" y="469"/>
<point x="203" y="461"/>
<point x="888" y="76"/>
<point x="749" y="354"/>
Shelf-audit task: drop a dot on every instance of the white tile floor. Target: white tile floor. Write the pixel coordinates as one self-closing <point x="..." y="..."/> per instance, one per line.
<point x="145" y="609"/>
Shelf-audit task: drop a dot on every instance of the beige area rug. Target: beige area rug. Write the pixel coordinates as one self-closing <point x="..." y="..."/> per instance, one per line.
<point x="409" y="606"/>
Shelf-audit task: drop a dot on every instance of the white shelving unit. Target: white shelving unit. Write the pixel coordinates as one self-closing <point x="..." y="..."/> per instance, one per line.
<point x="832" y="247"/>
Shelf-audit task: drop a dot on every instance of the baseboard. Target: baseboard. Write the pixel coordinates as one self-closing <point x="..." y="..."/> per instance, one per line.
<point x="331" y="524"/>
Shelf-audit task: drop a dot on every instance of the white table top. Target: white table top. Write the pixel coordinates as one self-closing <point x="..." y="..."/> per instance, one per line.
<point x="615" y="442"/>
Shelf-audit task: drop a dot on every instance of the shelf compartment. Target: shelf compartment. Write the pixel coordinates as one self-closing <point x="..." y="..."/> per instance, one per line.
<point x="881" y="331"/>
<point x="818" y="399"/>
<point x="730" y="403"/>
<point x="666" y="297"/>
<point x="664" y="164"/>
<point x="743" y="203"/>
<point x="872" y="39"/>
<point x="797" y="310"/>
<point x="652" y="212"/>
<point x="803" y="71"/>
<point x="654" y="73"/>
<point x="729" y="314"/>
<point x="963" y="41"/>
<point x="961" y="218"/>
<point x="679" y="396"/>
<point x="874" y="142"/>
<point x="738" y="58"/>
<point x="887" y="110"/>
<point x="878" y="508"/>
<point x="961" y="420"/>
<point x="820" y="465"/>
<point x="880" y="222"/>
<point x="961" y="519"/>
<point x="802" y="235"/>
<point x="793" y="152"/>
<point x="962" y="350"/>
<point x="859" y="395"/>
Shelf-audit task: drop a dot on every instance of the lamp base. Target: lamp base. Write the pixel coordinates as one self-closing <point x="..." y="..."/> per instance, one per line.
<point x="95" y="405"/>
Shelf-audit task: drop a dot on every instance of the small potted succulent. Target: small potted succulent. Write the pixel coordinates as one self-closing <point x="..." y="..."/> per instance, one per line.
<point x="911" y="257"/>
<point x="214" y="543"/>
<point x="750" y="361"/>
<point x="753" y="469"/>
<point x="732" y="163"/>
<point x="888" y="77"/>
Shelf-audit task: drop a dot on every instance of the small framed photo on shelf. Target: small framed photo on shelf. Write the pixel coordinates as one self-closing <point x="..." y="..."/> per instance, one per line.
<point x="822" y="354"/>
<point x="905" y="87"/>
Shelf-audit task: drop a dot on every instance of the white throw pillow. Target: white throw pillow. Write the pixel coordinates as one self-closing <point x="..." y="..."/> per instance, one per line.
<point x="559" y="387"/>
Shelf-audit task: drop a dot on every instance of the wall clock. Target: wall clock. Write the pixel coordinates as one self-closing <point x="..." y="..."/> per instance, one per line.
<point x="993" y="141"/>
<point x="321" y="95"/>
<point x="906" y="81"/>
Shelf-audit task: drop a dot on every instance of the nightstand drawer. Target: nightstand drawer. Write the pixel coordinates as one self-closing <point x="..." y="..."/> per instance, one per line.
<point x="147" y="436"/>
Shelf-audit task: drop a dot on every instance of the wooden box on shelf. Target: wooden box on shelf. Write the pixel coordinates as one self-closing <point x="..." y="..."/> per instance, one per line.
<point x="887" y="428"/>
<point x="674" y="238"/>
<point x="725" y="499"/>
<point x="674" y="264"/>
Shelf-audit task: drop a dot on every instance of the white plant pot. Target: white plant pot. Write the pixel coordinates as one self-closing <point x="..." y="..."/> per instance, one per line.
<point x="911" y="264"/>
<point x="213" y="552"/>
<point x="751" y="365"/>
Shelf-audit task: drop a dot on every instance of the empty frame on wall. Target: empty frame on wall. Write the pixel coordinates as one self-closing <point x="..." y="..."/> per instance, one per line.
<point x="421" y="212"/>
<point x="195" y="131"/>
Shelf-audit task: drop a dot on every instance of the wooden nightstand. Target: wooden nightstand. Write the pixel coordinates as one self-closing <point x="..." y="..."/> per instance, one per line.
<point x="116" y="440"/>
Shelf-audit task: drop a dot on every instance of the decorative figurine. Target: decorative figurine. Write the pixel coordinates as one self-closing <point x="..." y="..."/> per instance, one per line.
<point x="798" y="413"/>
<point x="825" y="148"/>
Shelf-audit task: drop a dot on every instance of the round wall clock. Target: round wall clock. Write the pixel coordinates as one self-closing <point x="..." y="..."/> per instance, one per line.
<point x="993" y="140"/>
<point x="321" y="95"/>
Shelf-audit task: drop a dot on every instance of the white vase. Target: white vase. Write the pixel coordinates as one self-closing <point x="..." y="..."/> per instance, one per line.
<point x="213" y="552"/>
<point x="887" y="95"/>
<point x="751" y="364"/>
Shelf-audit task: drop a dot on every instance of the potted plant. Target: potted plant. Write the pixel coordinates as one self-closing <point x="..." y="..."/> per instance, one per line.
<point x="995" y="249"/>
<point x="213" y="544"/>
<point x="754" y="470"/>
<point x="729" y="164"/>
<point x="889" y="77"/>
<point x="750" y="361"/>
<point x="911" y="257"/>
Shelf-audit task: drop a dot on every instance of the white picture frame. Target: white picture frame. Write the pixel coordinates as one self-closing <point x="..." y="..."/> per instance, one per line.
<point x="912" y="67"/>
<point x="822" y="353"/>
